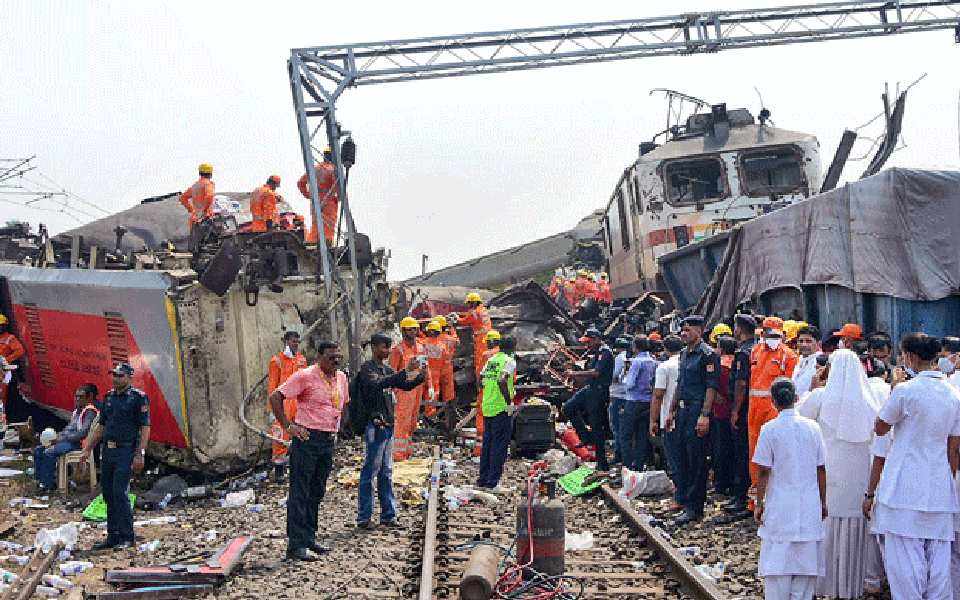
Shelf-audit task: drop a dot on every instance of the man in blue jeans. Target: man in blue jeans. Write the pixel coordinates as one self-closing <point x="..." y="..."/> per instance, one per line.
<point x="371" y="414"/>
<point x="497" y="406"/>
<point x="621" y="366"/>
<point x="84" y="414"/>
<point x="635" y="414"/>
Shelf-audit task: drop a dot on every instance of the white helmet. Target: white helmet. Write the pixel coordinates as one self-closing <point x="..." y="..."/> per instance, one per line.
<point x="47" y="437"/>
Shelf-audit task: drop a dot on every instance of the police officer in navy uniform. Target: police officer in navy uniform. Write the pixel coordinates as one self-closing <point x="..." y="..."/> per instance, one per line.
<point x="124" y="428"/>
<point x="697" y="384"/>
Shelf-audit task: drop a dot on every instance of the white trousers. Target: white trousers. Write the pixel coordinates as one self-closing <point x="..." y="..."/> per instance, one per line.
<point x="917" y="569"/>
<point x="789" y="587"/>
<point x="873" y="563"/>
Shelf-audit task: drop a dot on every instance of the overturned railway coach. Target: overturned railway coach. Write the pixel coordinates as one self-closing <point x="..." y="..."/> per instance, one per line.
<point x="196" y="354"/>
<point x="719" y="169"/>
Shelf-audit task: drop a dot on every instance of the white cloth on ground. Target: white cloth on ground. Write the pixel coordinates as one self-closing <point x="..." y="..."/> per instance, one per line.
<point x="791" y="446"/>
<point x="789" y="587"/>
<point x="924" y="412"/>
<point x="665" y="378"/>
<point x="917" y="569"/>
<point x="804" y="372"/>
<point x="849" y="406"/>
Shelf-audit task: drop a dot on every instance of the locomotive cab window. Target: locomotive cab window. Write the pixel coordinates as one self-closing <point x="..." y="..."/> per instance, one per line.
<point x="694" y="181"/>
<point x="772" y="171"/>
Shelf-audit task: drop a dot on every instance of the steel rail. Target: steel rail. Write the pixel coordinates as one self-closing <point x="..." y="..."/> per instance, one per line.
<point x="430" y="531"/>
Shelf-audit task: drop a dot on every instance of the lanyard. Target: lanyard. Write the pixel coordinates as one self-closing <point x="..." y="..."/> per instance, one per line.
<point x="334" y="388"/>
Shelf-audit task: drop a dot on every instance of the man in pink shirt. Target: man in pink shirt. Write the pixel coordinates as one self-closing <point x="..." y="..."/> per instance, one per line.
<point x="321" y="391"/>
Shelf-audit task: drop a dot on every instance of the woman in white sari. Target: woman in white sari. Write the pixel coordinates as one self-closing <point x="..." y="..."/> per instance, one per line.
<point x="846" y="408"/>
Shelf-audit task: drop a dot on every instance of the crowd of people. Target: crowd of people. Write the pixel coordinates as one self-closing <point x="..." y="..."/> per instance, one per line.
<point x="844" y="456"/>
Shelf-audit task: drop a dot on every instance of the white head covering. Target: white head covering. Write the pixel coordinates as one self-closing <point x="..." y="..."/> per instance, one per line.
<point x="850" y="405"/>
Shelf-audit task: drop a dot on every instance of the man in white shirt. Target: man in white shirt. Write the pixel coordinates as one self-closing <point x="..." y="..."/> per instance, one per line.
<point x="621" y="366"/>
<point x="664" y="388"/>
<point x="917" y="499"/>
<point x="808" y="347"/>
<point x="791" y="499"/>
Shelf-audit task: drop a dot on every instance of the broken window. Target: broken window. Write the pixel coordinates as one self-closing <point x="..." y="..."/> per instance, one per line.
<point x="624" y="228"/>
<point x="694" y="181"/>
<point x="772" y="171"/>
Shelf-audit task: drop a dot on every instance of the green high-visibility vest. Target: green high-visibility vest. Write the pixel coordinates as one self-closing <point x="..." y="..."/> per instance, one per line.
<point x="493" y="401"/>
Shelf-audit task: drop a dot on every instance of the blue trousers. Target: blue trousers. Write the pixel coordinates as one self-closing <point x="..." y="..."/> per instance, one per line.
<point x="692" y="464"/>
<point x="116" y="469"/>
<point x="496" y="438"/>
<point x="634" y="424"/>
<point x="310" y="464"/>
<point x="377" y="464"/>
<point x="613" y="413"/>
<point x="587" y="406"/>
<point x="672" y="447"/>
<point x="45" y="462"/>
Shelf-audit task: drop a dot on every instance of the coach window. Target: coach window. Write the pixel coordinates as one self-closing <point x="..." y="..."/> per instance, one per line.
<point x="624" y="227"/>
<point x="772" y="171"/>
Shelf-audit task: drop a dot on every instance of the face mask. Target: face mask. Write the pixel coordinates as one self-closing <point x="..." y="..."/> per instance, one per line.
<point x="841" y="345"/>
<point x="287" y="352"/>
<point x="772" y="343"/>
<point x="945" y="365"/>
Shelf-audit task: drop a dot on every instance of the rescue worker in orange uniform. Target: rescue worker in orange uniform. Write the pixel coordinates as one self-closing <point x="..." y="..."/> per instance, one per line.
<point x="441" y="365"/>
<point x="556" y="284"/>
<point x="329" y="198"/>
<point x="452" y="340"/>
<point x="11" y="350"/>
<point x="570" y="292"/>
<point x="604" y="293"/>
<point x="768" y="360"/>
<point x="478" y="320"/>
<point x="263" y="205"/>
<point x="583" y="288"/>
<point x="283" y="364"/>
<point x="198" y="198"/>
<point x="408" y="403"/>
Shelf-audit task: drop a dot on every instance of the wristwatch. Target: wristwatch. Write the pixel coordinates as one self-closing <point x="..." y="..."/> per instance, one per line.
<point x="704" y="413"/>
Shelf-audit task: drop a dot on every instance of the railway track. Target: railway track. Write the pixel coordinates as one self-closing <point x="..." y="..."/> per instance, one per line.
<point x="629" y="559"/>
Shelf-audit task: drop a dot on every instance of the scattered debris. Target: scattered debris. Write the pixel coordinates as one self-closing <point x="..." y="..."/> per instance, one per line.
<point x="644" y="483"/>
<point x="238" y="499"/>
<point x="578" y="541"/>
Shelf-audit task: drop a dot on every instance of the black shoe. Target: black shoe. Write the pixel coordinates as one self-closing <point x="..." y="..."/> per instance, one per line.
<point x="319" y="549"/>
<point x="733" y="517"/>
<point x="394" y="524"/>
<point x="686" y="517"/>
<point x="366" y="526"/>
<point x="304" y="554"/>
<point x="735" y="507"/>
<point x="104" y="545"/>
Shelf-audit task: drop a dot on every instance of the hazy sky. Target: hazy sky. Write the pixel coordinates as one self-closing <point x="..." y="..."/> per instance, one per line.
<point x="122" y="100"/>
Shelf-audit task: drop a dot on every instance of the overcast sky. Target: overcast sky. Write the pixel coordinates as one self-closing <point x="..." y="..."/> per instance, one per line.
<point x="122" y="100"/>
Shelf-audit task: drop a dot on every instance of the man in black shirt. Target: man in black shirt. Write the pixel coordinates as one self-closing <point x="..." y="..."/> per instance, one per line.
<point x="591" y="400"/>
<point x="371" y="415"/>
<point x="744" y="330"/>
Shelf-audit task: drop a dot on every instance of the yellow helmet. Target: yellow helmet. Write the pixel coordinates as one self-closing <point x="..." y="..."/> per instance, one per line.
<point x="409" y="323"/>
<point x="791" y="328"/>
<point x="492" y="335"/>
<point x="473" y="297"/>
<point x="3" y="319"/>
<point x="434" y="326"/>
<point x="603" y="275"/>
<point x="583" y="273"/>
<point x="718" y="330"/>
<point x="441" y="319"/>
<point x="205" y="169"/>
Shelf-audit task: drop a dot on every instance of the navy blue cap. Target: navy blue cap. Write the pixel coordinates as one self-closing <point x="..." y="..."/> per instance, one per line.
<point x="695" y="321"/>
<point x="746" y="320"/>
<point x="381" y="338"/>
<point x="122" y="369"/>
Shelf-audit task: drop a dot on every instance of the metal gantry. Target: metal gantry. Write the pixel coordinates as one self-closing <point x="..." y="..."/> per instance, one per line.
<point x="319" y="75"/>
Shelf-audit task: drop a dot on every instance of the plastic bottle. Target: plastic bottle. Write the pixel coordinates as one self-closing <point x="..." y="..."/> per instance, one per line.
<point x="74" y="567"/>
<point x="148" y="547"/>
<point x="56" y="581"/>
<point x="162" y="505"/>
<point x="8" y="576"/>
<point x="197" y="491"/>
<point x="16" y="559"/>
<point x="255" y="508"/>
<point x="46" y="591"/>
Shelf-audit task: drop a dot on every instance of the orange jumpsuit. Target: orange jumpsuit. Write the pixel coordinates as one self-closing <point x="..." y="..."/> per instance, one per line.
<point x="570" y="293"/>
<point x="441" y="365"/>
<point x="765" y="366"/>
<point x="12" y="350"/>
<point x="583" y="289"/>
<point x="478" y="319"/>
<point x="452" y="340"/>
<point x="281" y="368"/>
<point x="329" y="201"/>
<point x="604" y="293"/>
<point x="263" y="207"/>
<point x="198" y="200"/>
<point x="556" y="286"/>
<point x="407" y="403"/>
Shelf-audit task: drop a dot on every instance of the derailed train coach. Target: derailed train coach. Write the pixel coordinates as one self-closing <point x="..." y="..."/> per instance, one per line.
<point x="718" y="169"/>
<point x="196" y="354"/>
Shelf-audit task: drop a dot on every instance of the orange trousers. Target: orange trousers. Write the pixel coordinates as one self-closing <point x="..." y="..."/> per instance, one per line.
<point x="479" y="349"/>
<point x="280" y="451"/>
<point x="443" y="386"/>
<point x="405" y="421"/>
<point x="329" y="212"/>
<point x="761" y="411"/>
